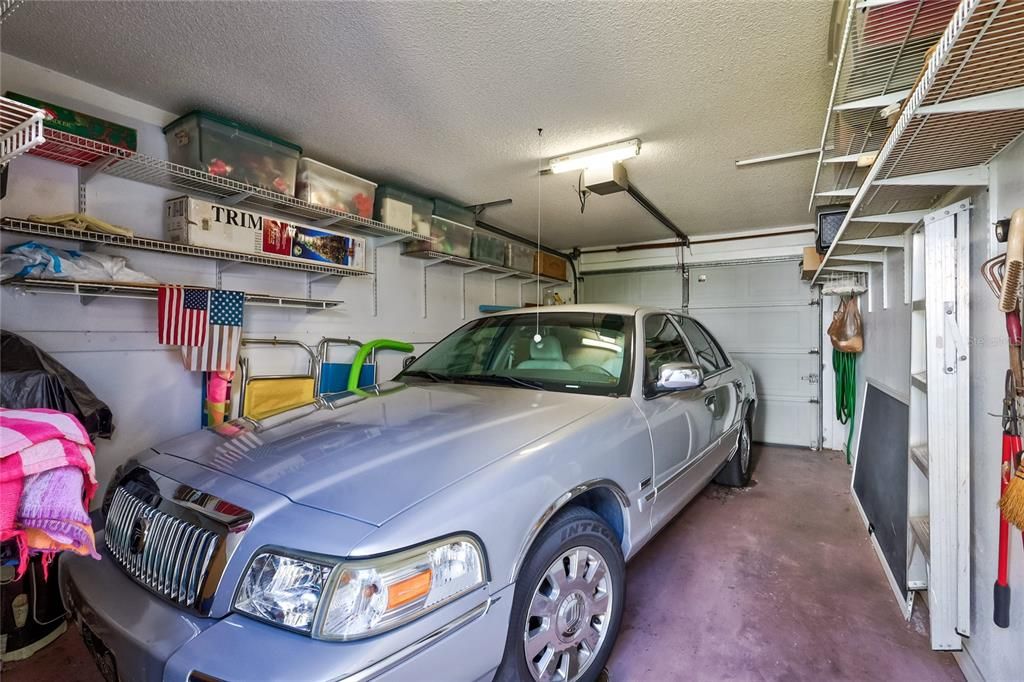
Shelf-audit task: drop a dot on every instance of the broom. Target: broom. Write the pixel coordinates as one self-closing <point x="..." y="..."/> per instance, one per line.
<point x="1012" y="501"/>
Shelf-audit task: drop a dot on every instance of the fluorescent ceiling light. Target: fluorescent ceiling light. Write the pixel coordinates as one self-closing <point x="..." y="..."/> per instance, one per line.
<point x="610" y="153"/>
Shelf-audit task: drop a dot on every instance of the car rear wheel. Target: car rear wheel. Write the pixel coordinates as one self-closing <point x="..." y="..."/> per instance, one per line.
<point x="568" y="602"/>
<point x="737" y="471"/>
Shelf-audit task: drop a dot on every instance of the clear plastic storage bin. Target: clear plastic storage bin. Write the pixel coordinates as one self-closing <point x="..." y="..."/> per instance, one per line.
<point x="403" y="210"/>
<point x="520" y="257"/>
<point x="488" y="249"/>
<point x="329" y="187"/>
<point x="222" y="147"/>
<point x="454" y="212"/>
<point x="446" y="236"/>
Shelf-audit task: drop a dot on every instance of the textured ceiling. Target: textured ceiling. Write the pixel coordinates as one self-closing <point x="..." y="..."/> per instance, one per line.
<point x="447" y="97"/>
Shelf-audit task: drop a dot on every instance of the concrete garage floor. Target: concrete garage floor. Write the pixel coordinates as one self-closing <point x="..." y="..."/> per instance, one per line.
<point x="774" y="582"/>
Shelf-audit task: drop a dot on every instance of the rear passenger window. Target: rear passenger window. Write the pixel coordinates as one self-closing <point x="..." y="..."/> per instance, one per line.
<point x="709" y="356"/>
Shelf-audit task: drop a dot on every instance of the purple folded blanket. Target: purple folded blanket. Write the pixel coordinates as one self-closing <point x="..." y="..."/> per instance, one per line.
<point x="52" y="502"/>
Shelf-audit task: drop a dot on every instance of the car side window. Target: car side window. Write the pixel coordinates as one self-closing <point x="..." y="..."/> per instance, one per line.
<point x="662" y="344"/>
<point x="709" y="356"/>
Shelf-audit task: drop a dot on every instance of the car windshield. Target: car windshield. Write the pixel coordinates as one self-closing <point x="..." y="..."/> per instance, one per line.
<point x="576" y="353"/>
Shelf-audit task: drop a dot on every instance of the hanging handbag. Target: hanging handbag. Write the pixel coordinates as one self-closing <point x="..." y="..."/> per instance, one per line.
<point x="846" y="329"/>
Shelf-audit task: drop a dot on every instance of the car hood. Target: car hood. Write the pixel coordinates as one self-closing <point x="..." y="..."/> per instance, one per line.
<point x="371" y="457"/>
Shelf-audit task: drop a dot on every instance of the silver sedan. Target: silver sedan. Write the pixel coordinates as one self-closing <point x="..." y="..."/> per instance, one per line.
<point x="469" y="520"/>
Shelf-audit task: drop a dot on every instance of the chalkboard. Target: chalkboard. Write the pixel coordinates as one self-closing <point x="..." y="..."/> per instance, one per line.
<point x="880" y="478"/>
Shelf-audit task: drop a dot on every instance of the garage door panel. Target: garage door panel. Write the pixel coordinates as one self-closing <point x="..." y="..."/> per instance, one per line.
<point x="786" y="421"/>
<point x="760" y="313"/>
<point x="750" y="283"/>
<point x="786" y="375"/>
<point x="776" y="328"/>
<point x="655" y="288"/>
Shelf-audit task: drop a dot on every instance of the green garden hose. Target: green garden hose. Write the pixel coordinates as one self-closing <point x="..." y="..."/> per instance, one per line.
<point x="845" y="366"/>
<point x="364" y="352"/>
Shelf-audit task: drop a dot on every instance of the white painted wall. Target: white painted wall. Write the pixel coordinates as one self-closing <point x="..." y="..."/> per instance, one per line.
<point x="111" y="344"/>
<point x="886" y="356"/>
<point x="994" y="651"/>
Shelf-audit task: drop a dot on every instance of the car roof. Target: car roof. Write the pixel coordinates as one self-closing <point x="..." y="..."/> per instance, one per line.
<point x="606" y="308"/>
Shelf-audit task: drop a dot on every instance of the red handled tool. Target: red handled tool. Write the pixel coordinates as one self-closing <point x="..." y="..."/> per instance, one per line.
<point x="1012" y="446"/>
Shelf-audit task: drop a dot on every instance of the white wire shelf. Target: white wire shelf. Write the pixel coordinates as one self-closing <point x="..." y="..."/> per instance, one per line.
<point x="965" y="104"/>
<point x="96" y="157"/>
<point x="21" y="129"/>
<point x="461" y="262"/>
<point x="60" y="232"/>
<point x="88" y="291"/>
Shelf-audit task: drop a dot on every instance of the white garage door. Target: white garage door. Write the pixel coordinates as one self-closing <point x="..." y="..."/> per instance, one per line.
<point x="655" y="288"/>
<point x="767" y="318"/>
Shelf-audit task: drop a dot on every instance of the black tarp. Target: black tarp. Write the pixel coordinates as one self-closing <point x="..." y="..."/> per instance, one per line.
<point x="30" y="378"/>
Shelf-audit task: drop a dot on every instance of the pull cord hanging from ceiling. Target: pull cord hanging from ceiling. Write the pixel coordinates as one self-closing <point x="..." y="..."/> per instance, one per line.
<point x="540" y="168"/>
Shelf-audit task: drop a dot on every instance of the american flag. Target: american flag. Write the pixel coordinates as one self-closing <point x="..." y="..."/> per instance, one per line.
<point x="182" y="315"/>
<point x="219" y="352"/>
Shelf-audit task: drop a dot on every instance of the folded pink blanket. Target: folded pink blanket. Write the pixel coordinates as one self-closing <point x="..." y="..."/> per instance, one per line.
<point x="47" y="480"/>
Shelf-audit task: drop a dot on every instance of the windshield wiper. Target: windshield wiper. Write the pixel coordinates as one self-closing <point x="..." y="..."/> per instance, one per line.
<point x="433" y="376"/>
<point x="502" y="379"/>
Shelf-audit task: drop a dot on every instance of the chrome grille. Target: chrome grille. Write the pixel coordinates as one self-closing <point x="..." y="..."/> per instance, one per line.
<point x="175" y="555"/>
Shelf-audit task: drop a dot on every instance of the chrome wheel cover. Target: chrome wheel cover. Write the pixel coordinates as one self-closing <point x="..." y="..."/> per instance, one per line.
<point x="569" y="614"/>
<point x="745" y="447"/>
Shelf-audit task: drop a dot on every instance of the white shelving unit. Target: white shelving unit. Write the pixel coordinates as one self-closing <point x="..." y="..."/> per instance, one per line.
<point x="938" y="493"/>
<point x="21" y="129"/>
<point x="89" y="291"/>
<point x="224" y="260"/>
<point x="957" y="82"/>
<point x="92" y="157"/>
<point x="432" y="258"/>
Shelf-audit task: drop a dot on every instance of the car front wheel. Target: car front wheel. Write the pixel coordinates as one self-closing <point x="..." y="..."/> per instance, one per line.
<point x="568" y="602"/>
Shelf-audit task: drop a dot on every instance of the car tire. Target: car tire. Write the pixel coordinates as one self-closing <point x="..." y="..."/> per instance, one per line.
<point x="574" y="575"/>
<point x="737" y="471"/>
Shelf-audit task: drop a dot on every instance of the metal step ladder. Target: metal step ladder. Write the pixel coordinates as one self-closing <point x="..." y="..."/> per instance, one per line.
<point x="938" y="454"/>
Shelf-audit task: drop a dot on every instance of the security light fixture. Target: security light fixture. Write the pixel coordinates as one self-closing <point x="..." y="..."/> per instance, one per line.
<point x="598" y="156"/>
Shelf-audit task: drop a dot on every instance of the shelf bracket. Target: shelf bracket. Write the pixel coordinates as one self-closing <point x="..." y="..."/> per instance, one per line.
<point x="465" y="272"/>
<point x="377" y="242"/>
<point x="222" y="267"/>
<point x="236" y="198"/>
<point x="326" y="222"/>
<point x="494" y="297"/>
<point x="429" y="264"/>
<point x="87" y="173"/>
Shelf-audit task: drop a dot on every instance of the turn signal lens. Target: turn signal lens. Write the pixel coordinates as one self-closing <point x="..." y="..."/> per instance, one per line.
<point x="370" y="596"/>
<point x="405" y="591"/>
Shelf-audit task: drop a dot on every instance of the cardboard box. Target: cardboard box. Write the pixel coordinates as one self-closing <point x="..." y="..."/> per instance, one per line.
<point x="297" y="242"/>
<point x="812" y="259"/>
<point x="548" y="265"/>
<point x="202" y="223"/>
<point x="83" y="125"/>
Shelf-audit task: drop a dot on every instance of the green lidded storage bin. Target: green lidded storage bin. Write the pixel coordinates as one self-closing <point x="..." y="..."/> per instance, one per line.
<point x="488" y="249"/>
<point x="226" y="148"/>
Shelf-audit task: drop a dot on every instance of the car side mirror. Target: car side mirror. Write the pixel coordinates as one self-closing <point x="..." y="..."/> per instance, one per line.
<point x="679" y="376"/>
<point x="408" y="361"/>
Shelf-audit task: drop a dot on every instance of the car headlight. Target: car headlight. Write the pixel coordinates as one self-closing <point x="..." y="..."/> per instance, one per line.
<point x="339" y="599"/>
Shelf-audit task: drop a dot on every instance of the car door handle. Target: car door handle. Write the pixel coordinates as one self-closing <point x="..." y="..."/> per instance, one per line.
<point x="710" y="401"/>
